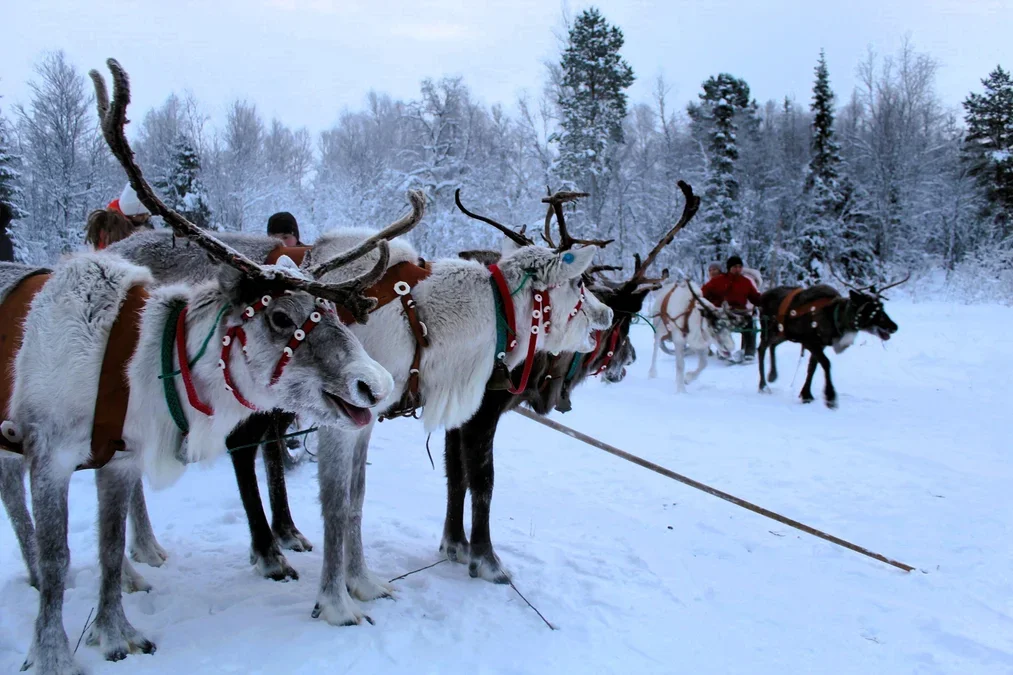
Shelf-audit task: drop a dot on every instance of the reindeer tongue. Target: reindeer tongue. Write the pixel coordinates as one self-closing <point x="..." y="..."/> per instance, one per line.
<point x="359" y="416"/>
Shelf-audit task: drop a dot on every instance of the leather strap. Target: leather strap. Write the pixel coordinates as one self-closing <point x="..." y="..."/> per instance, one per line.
<point x="13" y="311"/>
<point x="785" y="312"/>
<point x="113" y="384"/>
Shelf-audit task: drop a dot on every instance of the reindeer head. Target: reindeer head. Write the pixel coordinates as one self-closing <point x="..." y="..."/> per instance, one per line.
<point x="328" y="375"/>
<point x="868" y="314"/>
<point x="575" y="312"/>
<point x="865" y="309"/>
<point x="297" y="355"/>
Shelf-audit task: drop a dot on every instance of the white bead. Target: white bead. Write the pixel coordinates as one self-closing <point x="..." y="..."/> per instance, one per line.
<point x="548" y="308"/>
<point x="536" y="314"/>
<point x="248" y="312"/>
<point x="228" y="388"/>
<point x="547" y="324"/>
<point x="610" y="354"/>
<point x="315" y="317"/>
<point x="534" y="330"/>
<point x="287" y="351"/>
<point x="402" y="288"/>
<point x="538" y="297"/>
<point x="513" y="343"/>
<point x="221" y="364"/>
<point x="227" y="340"/>
<point x="10" y="431"/>
<point x="266" y="300"/>
<point x="501" y="356"/>
<point x="299" y="334"/>
<point x="813" y="324"/>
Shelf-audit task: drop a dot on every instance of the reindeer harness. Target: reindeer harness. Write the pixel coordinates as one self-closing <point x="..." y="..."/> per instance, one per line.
<point x="113" y="391"/>
<point x="684" y="328"/>
<point x="397" y="282"/>
<point x="541" y="320"/>
<point x="786" y="313"/>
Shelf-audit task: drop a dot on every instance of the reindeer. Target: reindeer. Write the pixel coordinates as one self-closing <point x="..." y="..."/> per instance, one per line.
<point x="113" y="409"/>
<point x="440" y="345"/>
<point x="691" y="323"/>
<point x="468" y="449"/>
<point x="816" y="318"/>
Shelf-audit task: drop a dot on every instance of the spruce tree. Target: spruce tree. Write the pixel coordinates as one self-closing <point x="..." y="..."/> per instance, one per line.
<point x="724" y="108"/>
<point x="592" y="101"/>
<point x="833" y="228"/>
<point x="182" y="184"/>
<point x="989" y="144"/>
<point x="10" y="178"/>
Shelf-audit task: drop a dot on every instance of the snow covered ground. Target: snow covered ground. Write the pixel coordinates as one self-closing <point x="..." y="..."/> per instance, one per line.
<point x="639" y="573"/>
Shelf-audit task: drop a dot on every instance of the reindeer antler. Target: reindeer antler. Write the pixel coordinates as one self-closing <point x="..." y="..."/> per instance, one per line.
<point x="113" y="118"/>
<point x="688" y="211"/>
<point x="566" y="242"/>
<point x="894" y="283"/>
<point x="416" y="198"/>
<point x="518" y="238"/>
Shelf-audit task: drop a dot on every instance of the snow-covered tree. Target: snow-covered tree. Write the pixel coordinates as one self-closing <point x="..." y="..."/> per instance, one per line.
<point x="724" y="109"/>
<point x="592" y="103"/>
<point x="989" y="145"/>
<point x="11" y="192"/>
<point x="67" y="169"/>
<point x="182" y="186"/>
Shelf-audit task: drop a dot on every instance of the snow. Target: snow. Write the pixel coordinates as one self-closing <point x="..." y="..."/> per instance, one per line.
<point x="639" y="573"/>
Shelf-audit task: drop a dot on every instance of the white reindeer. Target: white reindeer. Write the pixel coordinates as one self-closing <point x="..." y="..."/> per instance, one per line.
<point x="269" y="311"/>
<point x="692" y="324"/>
<point x="457" y="302"/>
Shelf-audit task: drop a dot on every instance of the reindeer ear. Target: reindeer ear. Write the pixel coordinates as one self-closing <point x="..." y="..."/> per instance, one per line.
<point x="575" y="261"/>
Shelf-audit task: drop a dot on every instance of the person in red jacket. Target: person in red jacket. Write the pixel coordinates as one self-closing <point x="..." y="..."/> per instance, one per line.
<point x="740" y="294"/>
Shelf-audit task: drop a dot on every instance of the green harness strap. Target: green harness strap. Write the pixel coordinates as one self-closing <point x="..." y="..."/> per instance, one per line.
<point x="168" y="385"/>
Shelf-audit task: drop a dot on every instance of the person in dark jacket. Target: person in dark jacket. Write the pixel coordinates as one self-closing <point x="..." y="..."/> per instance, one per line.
<point x="6" y="245"/>
<point x="283" y="226"/>
<point x="740" y="294"/>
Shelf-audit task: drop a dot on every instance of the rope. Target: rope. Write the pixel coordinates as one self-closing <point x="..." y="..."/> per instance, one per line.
<point x="304" y="432"/>
<point x="638" y="315"/>
<point x="203" y="347"/>
<point x="168" y="386"/>
<point x="629" y="457"/>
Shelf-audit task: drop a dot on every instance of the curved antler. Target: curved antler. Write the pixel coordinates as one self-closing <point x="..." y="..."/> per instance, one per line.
<point x="566" y="242"/>
<point x="688" y="211"/>
<point x="895" y="283"/>
<point x="113" y="117"/>
<point x="517" y="237"/>
<point x="416" y="198"/>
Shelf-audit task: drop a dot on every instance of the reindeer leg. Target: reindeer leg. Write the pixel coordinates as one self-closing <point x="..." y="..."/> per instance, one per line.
<point x="12" y="492"/>
<point x="143" y="545"/>
<point x="111" y="631"/>
<point x="455" y="544"/>
<point x="772" y="376"/>
<point x="701" y="363"/>
<point x="335" y="458"/>
<point x="829" y="393"/>
<point x="764" y="340"/>
<point x="807" y="394"/>
<point x="284" y="529"/>
<point x="264" y="550"/>
<point x="680" y="364"/>
<point x="50" y="650"/>
<point x="477" y="448"/>
<point x="658" y="337"/>
<point x="361" y="583"/>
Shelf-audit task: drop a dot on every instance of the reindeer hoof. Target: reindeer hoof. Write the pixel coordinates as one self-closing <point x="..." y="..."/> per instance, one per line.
<point x="832" y="403"/>
<point x="456" y="551"/>
<point x="293" y="540"/>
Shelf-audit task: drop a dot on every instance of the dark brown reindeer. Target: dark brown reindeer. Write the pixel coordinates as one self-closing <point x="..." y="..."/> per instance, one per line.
<point x="468" y="449"/>
<point x="817" y="318"/>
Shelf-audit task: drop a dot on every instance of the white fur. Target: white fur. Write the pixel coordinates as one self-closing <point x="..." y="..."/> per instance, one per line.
<point x="699" y="336"/>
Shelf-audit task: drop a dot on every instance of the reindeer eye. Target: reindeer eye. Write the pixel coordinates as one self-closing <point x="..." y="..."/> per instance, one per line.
<point x="281" y="321"/>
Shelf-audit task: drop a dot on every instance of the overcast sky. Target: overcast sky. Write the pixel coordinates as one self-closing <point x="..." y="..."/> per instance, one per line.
<point x="304" y="61"/>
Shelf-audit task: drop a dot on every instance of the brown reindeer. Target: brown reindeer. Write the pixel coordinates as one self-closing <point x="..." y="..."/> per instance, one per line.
<point x="817" y="318"/>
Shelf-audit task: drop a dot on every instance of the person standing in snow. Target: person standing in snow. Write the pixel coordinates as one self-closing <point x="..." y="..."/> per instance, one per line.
<point x="283" y="226"/>
<point x="120" y="219"/>
<point x="6" y="245"/>
<point x="741" y="295"/>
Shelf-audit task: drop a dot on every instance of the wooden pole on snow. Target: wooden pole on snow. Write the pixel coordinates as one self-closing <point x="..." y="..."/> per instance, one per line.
<point x="573" y="433"/>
